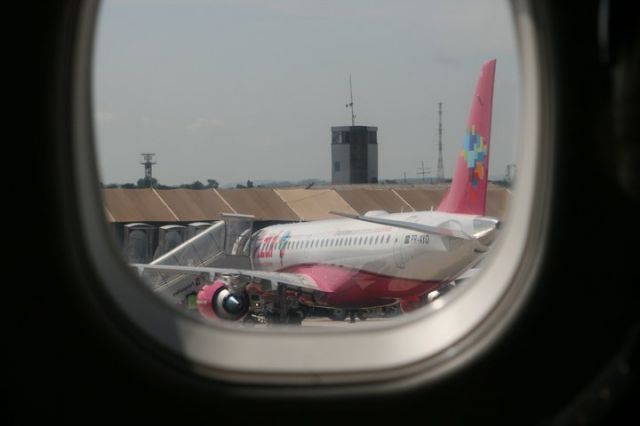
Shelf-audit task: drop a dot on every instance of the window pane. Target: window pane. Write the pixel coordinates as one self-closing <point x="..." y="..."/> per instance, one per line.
<point x="249" y="125"/>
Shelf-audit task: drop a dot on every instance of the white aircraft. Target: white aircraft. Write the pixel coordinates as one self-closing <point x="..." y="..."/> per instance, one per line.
<point x="354" y="263"/>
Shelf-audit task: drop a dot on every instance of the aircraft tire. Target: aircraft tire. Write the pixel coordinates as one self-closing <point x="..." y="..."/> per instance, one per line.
<point x="338" y="314"/>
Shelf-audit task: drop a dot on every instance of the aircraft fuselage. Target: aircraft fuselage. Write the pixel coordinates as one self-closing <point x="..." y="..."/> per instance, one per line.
<point x="360" y="264"/>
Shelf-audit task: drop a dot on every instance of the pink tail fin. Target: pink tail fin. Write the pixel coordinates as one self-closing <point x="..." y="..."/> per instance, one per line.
<point x="468" y="191"/>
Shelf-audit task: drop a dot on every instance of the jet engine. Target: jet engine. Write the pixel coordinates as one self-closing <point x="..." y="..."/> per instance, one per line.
<point x="217" y="301"/>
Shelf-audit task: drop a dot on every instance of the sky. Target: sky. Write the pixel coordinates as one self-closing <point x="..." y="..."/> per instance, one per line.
<point x="237" y="90"/>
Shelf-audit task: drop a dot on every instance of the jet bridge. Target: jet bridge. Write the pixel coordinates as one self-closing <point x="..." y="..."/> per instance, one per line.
<point x="224" y="244"/>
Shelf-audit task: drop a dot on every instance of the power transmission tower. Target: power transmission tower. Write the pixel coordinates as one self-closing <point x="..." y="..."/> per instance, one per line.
<point x="423" y="171"/>
<point x="440" y="176"/>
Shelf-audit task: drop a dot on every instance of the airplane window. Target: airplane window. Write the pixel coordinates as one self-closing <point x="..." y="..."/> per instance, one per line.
<point x="199" y="107"/>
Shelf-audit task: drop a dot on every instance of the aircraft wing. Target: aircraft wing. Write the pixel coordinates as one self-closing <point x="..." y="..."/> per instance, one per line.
<point x="469" y="273"/>
<point x="444" y="232"/>
<point x="299" y="280"/>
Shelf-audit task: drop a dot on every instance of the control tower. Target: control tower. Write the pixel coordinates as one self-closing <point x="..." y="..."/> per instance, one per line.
<point x="354" y="154"/>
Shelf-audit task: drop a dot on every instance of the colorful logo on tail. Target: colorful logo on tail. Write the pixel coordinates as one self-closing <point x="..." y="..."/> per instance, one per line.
<point x="474" y="153"/>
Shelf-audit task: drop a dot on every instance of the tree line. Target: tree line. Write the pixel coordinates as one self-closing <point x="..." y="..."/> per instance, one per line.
<point x="153" y="183"/>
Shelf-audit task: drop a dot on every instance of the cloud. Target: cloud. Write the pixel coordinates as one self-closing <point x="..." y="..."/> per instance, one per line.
<point x="204" y="124"/>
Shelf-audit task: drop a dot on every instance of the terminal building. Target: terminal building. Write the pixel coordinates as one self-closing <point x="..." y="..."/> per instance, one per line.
<point x="354" y="154"/>
<point x="149" y="222"/>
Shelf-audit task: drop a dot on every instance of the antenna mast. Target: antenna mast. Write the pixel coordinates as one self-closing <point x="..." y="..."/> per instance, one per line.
<point x="350" y="104"/>
<point x="440" y="166"/>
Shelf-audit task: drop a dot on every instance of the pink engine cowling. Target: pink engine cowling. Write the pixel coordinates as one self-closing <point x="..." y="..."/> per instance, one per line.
<point x="216" y="301"/>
